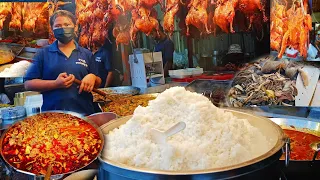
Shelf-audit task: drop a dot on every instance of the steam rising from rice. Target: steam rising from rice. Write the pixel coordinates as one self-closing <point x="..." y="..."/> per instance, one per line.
<point x="212" y="138"/>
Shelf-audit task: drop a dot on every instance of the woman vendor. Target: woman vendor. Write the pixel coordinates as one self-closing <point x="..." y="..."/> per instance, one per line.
<point x="55" y="68"/>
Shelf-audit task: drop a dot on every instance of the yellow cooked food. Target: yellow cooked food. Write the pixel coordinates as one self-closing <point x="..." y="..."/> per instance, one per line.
<point x="126" y="106"/>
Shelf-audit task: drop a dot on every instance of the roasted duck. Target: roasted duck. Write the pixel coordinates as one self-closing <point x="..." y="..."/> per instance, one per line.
<point x="16" y="18"/>
<point x="94" y="18"/>
<point x="35" y="17"/>
<point x="121" y="31"/>
<point x="278" y="25"/>
<point x="224" y="15"/>
<point x="250" y="7"/>
<point x="172" y="7"/>
<point x="5" y="10"/>
<point x="145" y="21"/>
<point x="299" y="25"/>
<point x="198" y="16"/>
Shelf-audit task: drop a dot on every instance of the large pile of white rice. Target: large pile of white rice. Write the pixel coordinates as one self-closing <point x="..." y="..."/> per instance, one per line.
<point x="212" y="137"/>
<point x="18" y="69"/>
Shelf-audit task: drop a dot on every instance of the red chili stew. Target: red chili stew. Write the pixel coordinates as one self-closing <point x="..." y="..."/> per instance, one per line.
<point x="300" y="145"/>
<point x="63" y="141"/>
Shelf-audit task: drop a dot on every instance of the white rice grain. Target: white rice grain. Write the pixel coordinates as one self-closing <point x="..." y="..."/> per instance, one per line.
<point x="212" y="138"/>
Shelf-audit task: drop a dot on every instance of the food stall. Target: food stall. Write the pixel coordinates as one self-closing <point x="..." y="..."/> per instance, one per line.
<point x="263" y="98"/>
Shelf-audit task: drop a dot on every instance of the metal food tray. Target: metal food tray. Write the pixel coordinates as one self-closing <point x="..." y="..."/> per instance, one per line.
<point x="16" y="48"/>
<point x="203" y="85"/>
<point x="122" y="90"/>
<point x="208" y="87"/>
<point x="27" y="53"/>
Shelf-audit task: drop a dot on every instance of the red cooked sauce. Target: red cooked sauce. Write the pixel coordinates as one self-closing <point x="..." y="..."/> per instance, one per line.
<point x="65" y="142"/>
<point x="300" y="145"/>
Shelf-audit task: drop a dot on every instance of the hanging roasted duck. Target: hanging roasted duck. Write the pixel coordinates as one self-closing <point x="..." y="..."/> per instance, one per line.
<point x="224" y="15"/>
<point x="299" y="25"/>
<point x="144" y="20"/>
<point x="198" y="16"/>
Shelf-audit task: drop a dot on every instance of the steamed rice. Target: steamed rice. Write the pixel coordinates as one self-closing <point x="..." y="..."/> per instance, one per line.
<point x="212" y="138"/>
<point x="18" y="69"/>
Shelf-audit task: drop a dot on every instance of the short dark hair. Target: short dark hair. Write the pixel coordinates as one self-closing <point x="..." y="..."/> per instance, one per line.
<point x="62" y="13"/>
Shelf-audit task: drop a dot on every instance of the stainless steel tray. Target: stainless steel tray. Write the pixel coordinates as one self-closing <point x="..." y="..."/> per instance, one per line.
<point x="27" y="53"/>
<point x="122" y="90"/>
<point x="16" y="48"/>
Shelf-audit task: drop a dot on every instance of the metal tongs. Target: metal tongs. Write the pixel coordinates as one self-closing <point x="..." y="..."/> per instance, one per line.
<point x="105" y="95"/>
<point x="315" y="146"/>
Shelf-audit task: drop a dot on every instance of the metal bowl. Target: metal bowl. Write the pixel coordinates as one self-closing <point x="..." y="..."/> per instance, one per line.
<point x="102" y="118"/>
<point x="56" y="176"/>
<point x="114" y="170"/>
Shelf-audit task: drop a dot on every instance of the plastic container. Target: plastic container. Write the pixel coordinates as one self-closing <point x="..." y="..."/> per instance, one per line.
<point x="33" y="104"/>
<point x="179" y="74"/>
<point x="12" y="113"/>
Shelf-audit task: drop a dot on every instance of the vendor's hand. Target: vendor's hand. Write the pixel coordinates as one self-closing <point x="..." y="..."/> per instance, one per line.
<point x="64" y="80"/>
<point x="87" y="83"/>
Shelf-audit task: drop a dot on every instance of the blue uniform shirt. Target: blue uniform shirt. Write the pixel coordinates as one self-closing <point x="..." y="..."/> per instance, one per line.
<point x="49" y="62"/>
<point x="103" y="62"/>
<point x="166" y="47"/>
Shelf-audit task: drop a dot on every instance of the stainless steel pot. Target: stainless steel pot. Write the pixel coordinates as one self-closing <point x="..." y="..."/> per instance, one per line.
<point x="113" y="170"/>
<point x="56" y="176"/>
<point x="300" y="169"/>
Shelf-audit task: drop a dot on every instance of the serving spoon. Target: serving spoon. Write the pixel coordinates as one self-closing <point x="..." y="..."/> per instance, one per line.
<point x="160" y="137"/>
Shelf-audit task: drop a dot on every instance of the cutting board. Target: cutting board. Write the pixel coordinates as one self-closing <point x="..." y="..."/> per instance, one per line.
<point x="305" y="94"/>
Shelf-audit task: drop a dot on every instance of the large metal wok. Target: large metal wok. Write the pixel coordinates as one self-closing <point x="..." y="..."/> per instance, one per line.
<point x="252" y="168"/>
<point x="55" y="176"/>
<point x="297" y="167"/>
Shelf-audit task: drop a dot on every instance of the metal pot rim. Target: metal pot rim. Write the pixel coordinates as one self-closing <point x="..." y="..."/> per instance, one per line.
<point x="279" y="144"/>
<point x="65" y="112"/>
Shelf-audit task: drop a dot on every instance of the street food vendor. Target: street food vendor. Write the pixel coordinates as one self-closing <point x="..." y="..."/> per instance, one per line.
<point x="164" y="45"/>
<point x="56" y="66"/>
<point x="103" y="57"/>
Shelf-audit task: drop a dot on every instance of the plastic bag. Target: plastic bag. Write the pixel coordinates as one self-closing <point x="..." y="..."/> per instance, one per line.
<point x="312" y="51"/>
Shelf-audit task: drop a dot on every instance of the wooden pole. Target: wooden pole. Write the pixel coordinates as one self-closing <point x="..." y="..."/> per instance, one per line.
<point x="190" y="52"/>
<point x="126" y="66"/>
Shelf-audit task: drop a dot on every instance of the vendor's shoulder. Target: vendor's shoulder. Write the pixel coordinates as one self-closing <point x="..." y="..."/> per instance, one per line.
<point x="84" y="50"/>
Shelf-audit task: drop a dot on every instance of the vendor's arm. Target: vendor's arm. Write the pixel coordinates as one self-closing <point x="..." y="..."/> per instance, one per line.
<point x="63" y="81"/>
<point x="34" y="81"/>
<point x="109" y="79"/>
<point x="91" y="80"/>
<point x="108" y="67"/>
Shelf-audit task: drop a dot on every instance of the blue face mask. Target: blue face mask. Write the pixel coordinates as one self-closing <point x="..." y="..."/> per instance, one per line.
<point x="64" y="35"/>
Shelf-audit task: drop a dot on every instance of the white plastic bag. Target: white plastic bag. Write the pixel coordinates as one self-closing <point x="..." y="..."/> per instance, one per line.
<point x="312" y="51"/>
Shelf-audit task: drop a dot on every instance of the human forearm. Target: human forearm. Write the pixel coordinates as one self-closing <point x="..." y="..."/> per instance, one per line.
<point x="109" y="79"/>
<point x="40" y="85"/>
<point x="97" y="82"/>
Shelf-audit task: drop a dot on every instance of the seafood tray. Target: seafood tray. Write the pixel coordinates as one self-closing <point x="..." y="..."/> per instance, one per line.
<point x="215" y="90"/>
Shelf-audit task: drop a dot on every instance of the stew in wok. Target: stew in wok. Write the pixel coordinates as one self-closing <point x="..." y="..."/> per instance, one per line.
<point x="63" y="141"/>
<point x="300" y="145"/>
